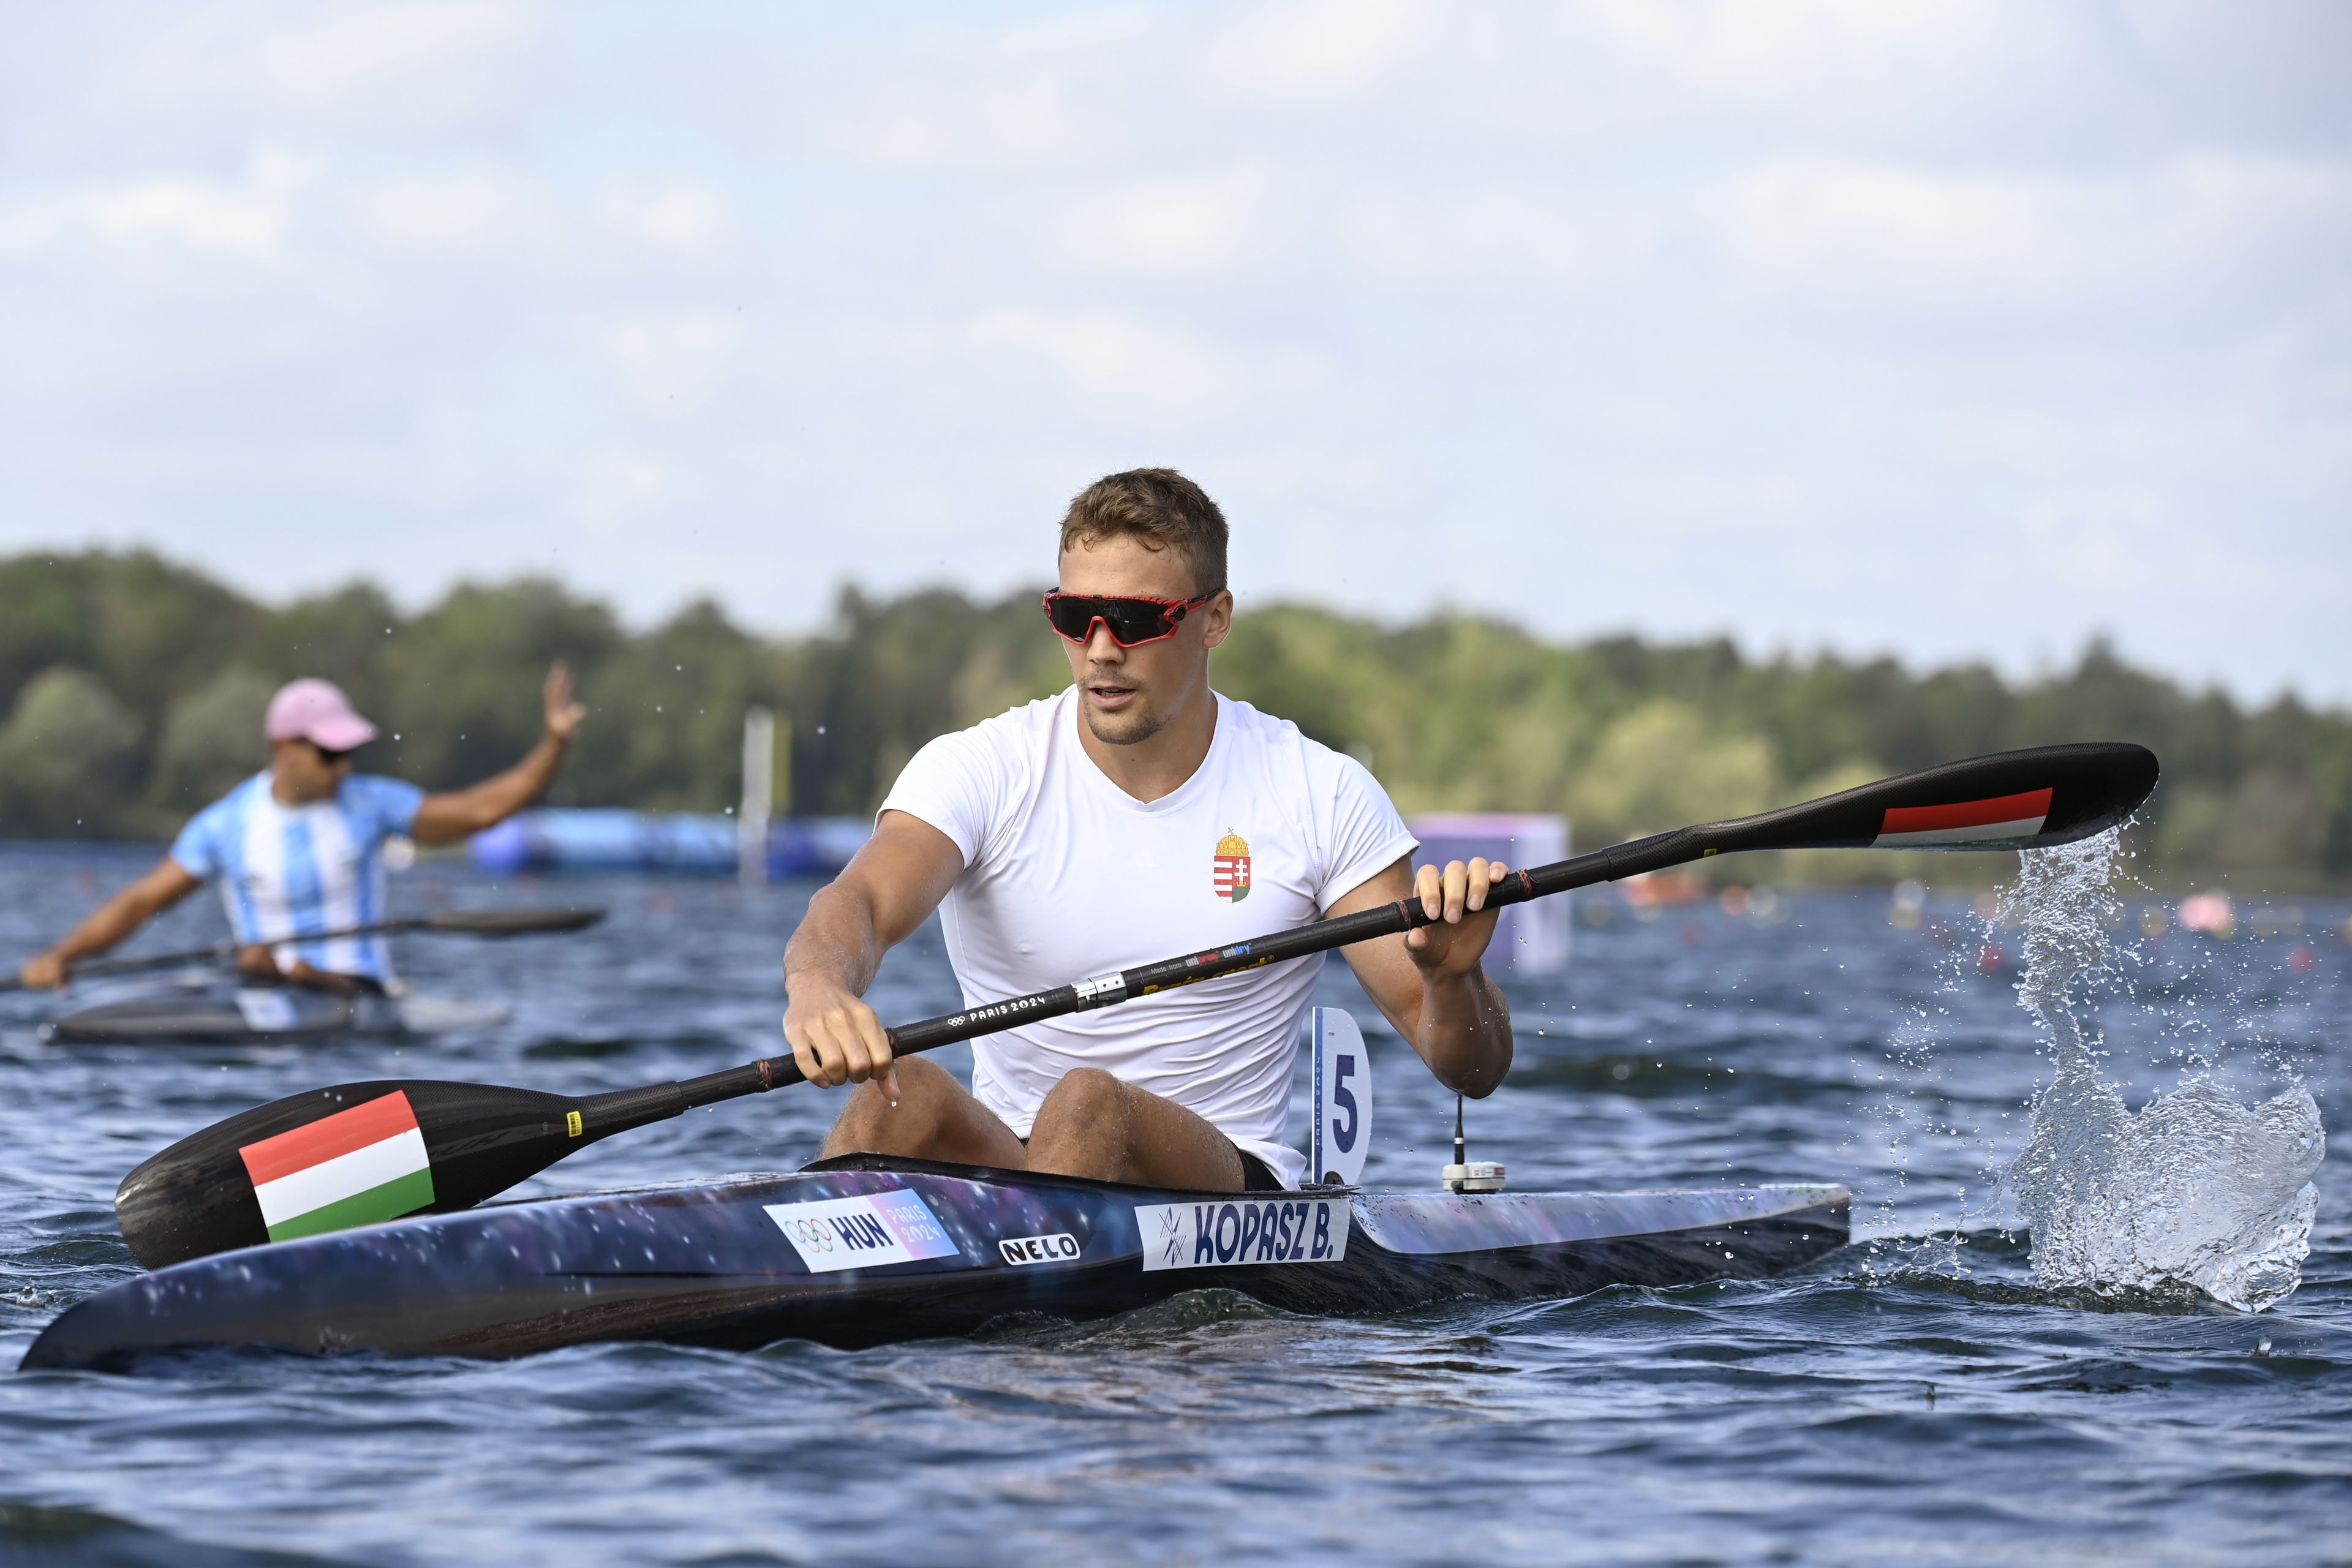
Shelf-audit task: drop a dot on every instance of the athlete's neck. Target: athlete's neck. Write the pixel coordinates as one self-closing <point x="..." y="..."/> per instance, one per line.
<point x="287" y="794"/>
<point x="291" y="784"/>
<point x="1159" y="764"/>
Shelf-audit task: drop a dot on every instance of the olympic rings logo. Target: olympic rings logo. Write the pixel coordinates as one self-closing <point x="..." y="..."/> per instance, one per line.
<point x="811" y="1236"/>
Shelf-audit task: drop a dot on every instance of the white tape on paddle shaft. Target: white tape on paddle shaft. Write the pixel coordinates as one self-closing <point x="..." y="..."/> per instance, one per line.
<point x="1102" y="989"/>
<point x="1342" y="1132"/>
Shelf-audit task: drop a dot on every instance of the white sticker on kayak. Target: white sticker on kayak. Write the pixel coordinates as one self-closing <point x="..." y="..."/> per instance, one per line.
<point x="1234" y="1231"/>
<point x="862" y="1232"/>
<point x="267" y="1012"/>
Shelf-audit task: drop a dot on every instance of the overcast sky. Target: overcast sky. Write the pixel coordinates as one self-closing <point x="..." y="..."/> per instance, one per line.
<point x="1951" y="331"/>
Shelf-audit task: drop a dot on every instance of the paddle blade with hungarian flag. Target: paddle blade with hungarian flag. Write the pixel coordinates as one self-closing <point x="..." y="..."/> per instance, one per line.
<point x="355" y="1167"/>
<point x="358" y="1154"/>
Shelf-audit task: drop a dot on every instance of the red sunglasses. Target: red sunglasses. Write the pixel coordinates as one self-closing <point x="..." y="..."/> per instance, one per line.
<point x="1131" y="621"/>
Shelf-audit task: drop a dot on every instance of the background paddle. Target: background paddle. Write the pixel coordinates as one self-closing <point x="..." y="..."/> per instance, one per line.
<point x="365" y="1152"/>
<point x="452" y="922"/>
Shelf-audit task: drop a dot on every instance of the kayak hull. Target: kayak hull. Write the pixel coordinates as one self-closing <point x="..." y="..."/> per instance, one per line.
<point x="950" y="1250"/>
<point x="207" y="1010"/>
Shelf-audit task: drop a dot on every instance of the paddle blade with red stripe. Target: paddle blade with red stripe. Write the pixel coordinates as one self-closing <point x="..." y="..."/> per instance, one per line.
<point x="2004" y="822"/>
<point x="2010" y="800"/>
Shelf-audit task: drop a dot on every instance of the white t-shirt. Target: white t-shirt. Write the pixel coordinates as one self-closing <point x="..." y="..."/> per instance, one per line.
<point x="1067" y="877"/>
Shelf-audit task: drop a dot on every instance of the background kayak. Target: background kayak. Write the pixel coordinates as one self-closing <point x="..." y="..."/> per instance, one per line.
<point x="207" y="1007"/>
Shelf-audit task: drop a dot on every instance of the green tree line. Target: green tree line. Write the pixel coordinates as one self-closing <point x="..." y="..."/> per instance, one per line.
<point x="133" y="690"/>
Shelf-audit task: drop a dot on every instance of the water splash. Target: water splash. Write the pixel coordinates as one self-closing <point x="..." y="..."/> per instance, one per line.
<point x="2196" y="1190"/>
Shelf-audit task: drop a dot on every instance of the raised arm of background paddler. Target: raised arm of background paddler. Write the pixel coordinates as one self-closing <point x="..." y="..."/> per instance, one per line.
<point x="888" y="890"/>
<point x="447" y="815"/>
<point x="1429" y="982"/>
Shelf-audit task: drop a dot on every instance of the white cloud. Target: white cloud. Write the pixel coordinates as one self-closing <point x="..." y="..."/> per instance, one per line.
<point x="1320" y="52"/>
<point x="1968" y="242"/>
<point x="367" y="65"/>
<point x="1484" y="235"/>
<point x="671" y="363"/>
<point x="680" y="217"/>
<point x="1199" y="225"/>
<point x="618" y="485"/>
<point x="139" y="219"/>
<point x="490" y="214"/>
<point x="1047" y="95"/>
<point x="1147" y="375"/>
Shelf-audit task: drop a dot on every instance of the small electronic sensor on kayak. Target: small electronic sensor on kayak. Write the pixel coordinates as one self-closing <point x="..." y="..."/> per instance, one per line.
<point x="1466" y="1174"/>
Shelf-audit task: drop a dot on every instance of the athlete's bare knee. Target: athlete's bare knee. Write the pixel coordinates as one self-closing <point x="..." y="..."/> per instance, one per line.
<point x="873" y="1122"/>
<point x="924" y="1080"/>
<point x="861" y="1117"/>
<point x="1084" y="1095"/>
<point x="1084" y="1126"/>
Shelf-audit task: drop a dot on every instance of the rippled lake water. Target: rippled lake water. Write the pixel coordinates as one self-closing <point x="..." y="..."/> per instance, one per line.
<point x="1914" y="1397"/>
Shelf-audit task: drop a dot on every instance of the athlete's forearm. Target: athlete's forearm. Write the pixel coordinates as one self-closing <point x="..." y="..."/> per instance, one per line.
<point x="106" y="925"/>
<point x="125" y="913"/>
<point x="839" y="940"/>
<point x="459" y="812"/>
<point x="1464" y="1032"/>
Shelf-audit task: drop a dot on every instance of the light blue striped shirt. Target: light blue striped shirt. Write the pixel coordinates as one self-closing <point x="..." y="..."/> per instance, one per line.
<point x="290" y="871"/>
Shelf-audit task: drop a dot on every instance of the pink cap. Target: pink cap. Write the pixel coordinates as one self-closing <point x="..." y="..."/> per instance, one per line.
<point x="317" y="712"/>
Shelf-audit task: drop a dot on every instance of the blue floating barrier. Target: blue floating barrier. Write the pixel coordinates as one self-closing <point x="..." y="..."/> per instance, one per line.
<point x="557" y="839"/>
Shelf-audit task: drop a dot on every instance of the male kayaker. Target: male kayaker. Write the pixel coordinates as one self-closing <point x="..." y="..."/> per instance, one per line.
<point x="298" y="847"/>
<point x="1137" y="815"/>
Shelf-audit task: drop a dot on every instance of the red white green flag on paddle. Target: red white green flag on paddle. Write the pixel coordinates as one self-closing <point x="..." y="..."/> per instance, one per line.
<point x="2005" y="819"/>
<point x="355" y="1167"/>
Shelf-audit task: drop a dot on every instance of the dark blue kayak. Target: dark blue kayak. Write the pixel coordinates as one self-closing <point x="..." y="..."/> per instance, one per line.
<point x="866" y="1250"/>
